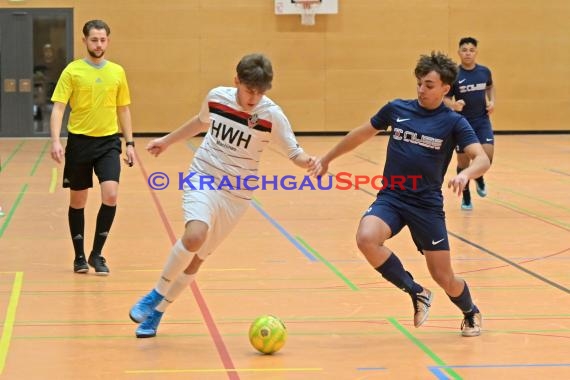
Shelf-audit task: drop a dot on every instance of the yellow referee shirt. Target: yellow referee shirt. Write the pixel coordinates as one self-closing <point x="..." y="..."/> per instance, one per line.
<point x="93" y="93"/>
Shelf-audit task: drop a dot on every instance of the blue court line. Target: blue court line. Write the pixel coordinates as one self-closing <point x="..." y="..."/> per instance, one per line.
<point x="438" y="373"/>
<point x="437" y="369"/>
<point x="284" y="232"/>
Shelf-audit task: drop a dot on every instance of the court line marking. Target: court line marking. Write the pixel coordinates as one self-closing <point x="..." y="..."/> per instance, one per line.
<point x="53" y="180"/>
<point x="221" y="348"/>
<point x="436" y="370"/>
<point x="11" y="155"/>
<point x="518" y="365"/>
<point x="10" y="319"/>
<point x="532" y="197"/>
<point x="424" y="348"/>
<point x="532" y="214"/>
<point x="216" y="370"/>
<point x="257" y="205"/>
<point x="39" y="159"/>
<point x="329" y="265"/>
<point x="284" y="232"/>
<point x="13" y="209"/>
<point x="496" y="255"/>
<point x="510" y="262"/>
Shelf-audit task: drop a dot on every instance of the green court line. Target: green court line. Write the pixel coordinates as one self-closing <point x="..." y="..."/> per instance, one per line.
<point x="512" y="206"/>
<point x="424" y="348"/>
<point x="537" y="199"/>
<point x="328" y="264"/>
<point x="10" y="319"/>
<point x="39" y="159"/>
<point x="16" y="149"/>
<point x="13" y="209"/>
<point x="53" y="181"/>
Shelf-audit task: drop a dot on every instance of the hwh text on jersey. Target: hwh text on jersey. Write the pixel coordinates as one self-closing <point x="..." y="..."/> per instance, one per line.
<point x="229" y="134"/>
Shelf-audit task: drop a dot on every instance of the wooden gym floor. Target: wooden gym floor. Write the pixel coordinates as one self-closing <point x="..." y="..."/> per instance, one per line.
<point x="294" y="256"/>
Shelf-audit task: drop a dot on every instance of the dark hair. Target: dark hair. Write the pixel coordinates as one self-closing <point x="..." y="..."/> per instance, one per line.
<point x="440" y="63"/>
<point x="95" y="24"/>
<point x="468" y="40"/>
<point x="255" y="71"/>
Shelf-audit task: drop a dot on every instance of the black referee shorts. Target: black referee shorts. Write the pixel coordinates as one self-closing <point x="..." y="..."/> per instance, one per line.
<point x="85" y="155"/>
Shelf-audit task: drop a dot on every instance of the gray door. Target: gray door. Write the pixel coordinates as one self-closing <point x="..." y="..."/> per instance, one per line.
<point x="35" y="46"/>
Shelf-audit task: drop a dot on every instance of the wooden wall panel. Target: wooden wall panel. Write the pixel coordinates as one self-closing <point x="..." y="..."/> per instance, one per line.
<point x="335" y="74"/>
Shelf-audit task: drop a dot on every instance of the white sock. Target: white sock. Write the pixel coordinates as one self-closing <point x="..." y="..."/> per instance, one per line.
<point x="178" y="260"/>
<point x="176" y="288"/>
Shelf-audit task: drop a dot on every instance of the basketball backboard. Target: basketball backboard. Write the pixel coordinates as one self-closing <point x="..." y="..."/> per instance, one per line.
<point x="306" y="8"/>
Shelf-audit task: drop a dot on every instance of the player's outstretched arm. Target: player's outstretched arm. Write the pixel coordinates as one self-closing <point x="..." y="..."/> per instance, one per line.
<point x="190" y="128"/>
<point x="349" y="142"/>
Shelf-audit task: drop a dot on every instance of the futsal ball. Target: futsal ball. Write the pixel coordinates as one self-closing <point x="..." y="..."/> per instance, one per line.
<point x="267" y="334"/>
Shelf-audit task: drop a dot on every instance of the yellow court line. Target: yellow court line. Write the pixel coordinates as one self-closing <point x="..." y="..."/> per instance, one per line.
<point x="53" y="181"/>
<point x="10" y="319"/>
<point x="202" y="270"/>
<point x="205" y="370"/>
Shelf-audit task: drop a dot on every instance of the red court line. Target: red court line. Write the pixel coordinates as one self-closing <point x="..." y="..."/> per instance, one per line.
<point x="210" y="324"/>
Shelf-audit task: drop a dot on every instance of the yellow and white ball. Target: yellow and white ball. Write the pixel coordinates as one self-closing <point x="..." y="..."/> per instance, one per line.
<point x="267" y="334"/>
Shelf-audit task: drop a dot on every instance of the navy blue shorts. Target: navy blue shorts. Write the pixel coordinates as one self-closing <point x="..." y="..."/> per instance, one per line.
<point x="85" y="155"/>
<point x="426" y="226"/>
<point x="484" y="131"/>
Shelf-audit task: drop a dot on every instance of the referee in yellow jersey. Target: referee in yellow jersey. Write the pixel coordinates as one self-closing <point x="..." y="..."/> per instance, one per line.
<point x="98" y="95"/>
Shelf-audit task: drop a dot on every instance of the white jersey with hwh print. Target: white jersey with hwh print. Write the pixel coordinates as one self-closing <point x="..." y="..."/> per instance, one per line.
<point x="232" y="147"/>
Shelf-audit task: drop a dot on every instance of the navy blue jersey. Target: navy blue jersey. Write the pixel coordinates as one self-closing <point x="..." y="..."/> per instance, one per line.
<point x="471" y="86"/>
<point x="419" y="149"/>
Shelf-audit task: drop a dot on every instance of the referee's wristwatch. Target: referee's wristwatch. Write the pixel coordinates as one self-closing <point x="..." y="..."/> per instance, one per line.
<point x="130" y="143"/>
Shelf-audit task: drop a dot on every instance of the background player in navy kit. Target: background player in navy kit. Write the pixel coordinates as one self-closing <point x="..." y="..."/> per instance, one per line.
<point x="473" y="96"/>
<point x="240" y="121"/>
<point x="424" y="134"/>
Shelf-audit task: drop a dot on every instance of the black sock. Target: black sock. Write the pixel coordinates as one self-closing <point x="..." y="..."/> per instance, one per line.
<point x="76" y="218"/>
<point x="464" y="302"/>
<point x="480" y="181"/>
<point x="466" y="192"/>
<point x="104" y="221"/>
<point x="393" y="271"/>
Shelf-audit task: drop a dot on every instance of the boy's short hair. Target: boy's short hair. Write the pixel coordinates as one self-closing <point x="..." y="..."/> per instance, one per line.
<point x="255" y="71"/>
<point x="468" y="40"/>
<point x="440" y="63"/>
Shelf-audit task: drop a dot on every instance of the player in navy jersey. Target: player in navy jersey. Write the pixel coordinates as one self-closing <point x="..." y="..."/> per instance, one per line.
<point x="473" y="96"/>
<point x="424" y="134"/>
<point x="240" y="122"/>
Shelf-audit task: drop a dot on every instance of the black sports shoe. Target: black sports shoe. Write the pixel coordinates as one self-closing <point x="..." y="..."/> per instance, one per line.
<point x="80" y="265"/>
<point x="98" y="262"/>
<point x="471" y="325"/>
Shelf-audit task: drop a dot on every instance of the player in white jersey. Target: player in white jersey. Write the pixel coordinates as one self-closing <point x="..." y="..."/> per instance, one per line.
<point x="240" y="121"/>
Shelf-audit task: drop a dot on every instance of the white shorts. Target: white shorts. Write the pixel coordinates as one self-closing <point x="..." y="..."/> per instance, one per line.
<point x="218" y="209"/>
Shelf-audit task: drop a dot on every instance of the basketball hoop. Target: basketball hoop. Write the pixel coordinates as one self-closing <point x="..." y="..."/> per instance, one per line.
<point x="308" y="10"/>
